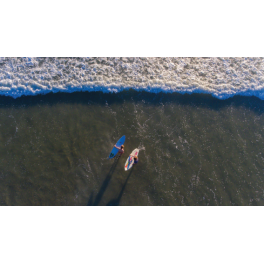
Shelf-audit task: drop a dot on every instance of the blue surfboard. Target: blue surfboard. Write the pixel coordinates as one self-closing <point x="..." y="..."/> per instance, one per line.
<point x="119" y="143"/>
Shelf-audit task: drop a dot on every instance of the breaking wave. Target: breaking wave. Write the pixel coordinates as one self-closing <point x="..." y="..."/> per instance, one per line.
<point x="220" y="77"/>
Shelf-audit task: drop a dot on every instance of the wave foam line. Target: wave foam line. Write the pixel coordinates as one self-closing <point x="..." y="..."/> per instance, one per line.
<point x="220" y="77"/>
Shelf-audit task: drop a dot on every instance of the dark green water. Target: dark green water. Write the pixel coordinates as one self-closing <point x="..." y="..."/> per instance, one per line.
<point x="198" y="150"/>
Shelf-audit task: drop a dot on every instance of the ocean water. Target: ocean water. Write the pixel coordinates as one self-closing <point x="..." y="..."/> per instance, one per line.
<point x="195" y="148"/>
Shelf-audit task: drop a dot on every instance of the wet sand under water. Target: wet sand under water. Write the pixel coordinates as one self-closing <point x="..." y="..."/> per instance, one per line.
<point x="199" y="150"/>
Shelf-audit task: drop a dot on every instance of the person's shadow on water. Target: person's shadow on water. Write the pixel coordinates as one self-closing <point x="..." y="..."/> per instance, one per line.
<point x="104" y="185"/>
<point x="116" y="201"/>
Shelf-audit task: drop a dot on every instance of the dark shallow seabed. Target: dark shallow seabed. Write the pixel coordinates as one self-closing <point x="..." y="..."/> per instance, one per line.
<point x="196" y="150"/>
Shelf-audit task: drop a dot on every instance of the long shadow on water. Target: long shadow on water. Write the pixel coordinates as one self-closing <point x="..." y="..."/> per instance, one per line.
<point x="104" y="185"/>
<point x="116" y="202"/>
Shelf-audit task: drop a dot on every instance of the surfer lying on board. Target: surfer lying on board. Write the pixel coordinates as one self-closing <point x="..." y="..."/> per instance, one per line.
<point x="120" y="150"/>
<point x="135" y="158"/>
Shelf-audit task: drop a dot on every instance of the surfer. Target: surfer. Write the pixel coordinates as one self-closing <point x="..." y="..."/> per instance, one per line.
<point x="135" y="159"/>
<point x="120" y="150"/>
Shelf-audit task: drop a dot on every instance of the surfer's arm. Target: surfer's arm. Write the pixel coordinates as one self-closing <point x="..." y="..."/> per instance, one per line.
<point x="116" y="147"/>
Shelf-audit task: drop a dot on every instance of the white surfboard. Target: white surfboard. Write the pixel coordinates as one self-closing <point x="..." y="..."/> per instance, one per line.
<point x="119" y="143"/>
<point x="130" y="160"/>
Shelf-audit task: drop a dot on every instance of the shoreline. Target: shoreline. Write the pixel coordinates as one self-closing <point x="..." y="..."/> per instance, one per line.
<point x="115" y="90"/>
<point x="197" y="99"/>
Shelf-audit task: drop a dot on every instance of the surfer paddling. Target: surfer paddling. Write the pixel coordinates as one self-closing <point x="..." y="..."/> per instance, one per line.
<point x="132" y="159"/>
<point x="120" y="150"/>
<point x="135" y="158"/>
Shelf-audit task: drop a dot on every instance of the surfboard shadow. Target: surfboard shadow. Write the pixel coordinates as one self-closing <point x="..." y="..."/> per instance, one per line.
<point x="104" y="185"/>
<point x="115" y="202"/>
<point x="90" y="202"/>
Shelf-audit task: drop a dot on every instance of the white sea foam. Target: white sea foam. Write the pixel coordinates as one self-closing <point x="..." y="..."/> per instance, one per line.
<point x="221" y="77"/>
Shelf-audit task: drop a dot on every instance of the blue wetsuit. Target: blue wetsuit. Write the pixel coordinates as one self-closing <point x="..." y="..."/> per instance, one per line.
<point x="135" y="161"/>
